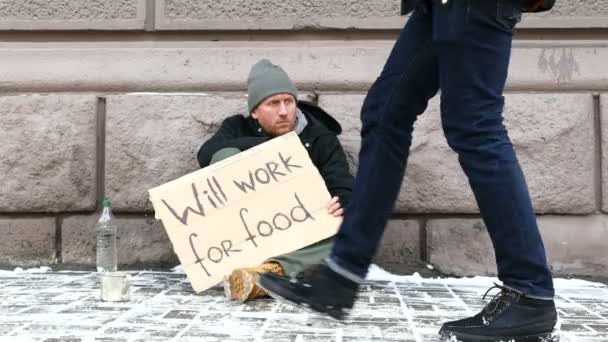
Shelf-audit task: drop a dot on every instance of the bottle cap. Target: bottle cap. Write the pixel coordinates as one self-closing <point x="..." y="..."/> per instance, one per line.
<point x="106" y="203"/>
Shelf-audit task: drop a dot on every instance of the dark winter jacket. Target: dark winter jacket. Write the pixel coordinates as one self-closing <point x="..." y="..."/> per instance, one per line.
<point x="528" y="5"/>
<point x="319" y="137"/>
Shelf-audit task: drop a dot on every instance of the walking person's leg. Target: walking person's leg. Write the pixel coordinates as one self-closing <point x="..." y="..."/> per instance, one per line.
<point x="473" y="70"/>
<point x="407" y="82"/>
<point x="473" y="40"/>
<point x="401" y="93"/>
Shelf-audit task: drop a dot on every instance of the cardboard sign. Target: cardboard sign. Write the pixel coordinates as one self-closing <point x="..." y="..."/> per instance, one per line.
<point x="263" y="202"/>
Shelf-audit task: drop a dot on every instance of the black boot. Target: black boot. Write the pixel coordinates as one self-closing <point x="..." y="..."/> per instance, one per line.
<point x="317" y="287"/>
<point x="510" y="316"/>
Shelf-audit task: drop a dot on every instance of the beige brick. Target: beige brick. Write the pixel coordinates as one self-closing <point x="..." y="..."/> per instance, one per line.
<point x="460" y="246"/>
<point x="27" y="242"/>
<point x="72" y="15"/>
<point x="570" y="14"/>
<point x="337" y="14"/>
<point x="576" y="8"/>
<point x="313" y="65"/>
<point x="153" y="139"/>
<point x="540" y="21"/>
<point x="276" y="15"/>
<point x="399" y="249"/>
<point x="575" y="245"/>
<point x="48" y="153"/>
<point x="553" y="135"/>
<point x="141" y="241"/>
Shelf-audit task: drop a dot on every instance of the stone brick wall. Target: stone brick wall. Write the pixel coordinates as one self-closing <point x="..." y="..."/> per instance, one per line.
<point x="106" y="99"/>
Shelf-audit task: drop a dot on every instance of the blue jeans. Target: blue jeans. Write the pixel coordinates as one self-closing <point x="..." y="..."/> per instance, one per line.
<point x="463" y="48"/>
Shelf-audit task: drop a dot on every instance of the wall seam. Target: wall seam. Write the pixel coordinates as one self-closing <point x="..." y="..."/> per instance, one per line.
<point x="150" y="20"/>
<point x="424" y="254"/>
<point x="100" y="151"/>
<point x="598" y="176"/>
<point x="58" y="240"/>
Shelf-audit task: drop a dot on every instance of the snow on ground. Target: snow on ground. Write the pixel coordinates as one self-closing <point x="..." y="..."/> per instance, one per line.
<point x="376" y="273"/>
<point x="42" y="305"/>
<point x="42" y="269"/>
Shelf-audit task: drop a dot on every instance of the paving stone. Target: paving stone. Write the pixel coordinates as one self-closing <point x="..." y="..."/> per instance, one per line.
<point x="410" y="309"/>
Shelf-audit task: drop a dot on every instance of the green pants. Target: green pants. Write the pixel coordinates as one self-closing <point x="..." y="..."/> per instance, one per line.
<point x="298" y="260"/>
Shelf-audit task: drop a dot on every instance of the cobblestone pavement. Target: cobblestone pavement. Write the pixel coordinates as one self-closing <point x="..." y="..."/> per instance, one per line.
<point x="64" y="306"/>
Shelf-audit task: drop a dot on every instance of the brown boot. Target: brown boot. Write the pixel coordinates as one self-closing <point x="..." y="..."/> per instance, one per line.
<point x="240" y="284"/>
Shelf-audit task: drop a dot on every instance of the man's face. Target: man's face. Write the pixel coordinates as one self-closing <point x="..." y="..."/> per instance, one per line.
<point x="276" y="114"/>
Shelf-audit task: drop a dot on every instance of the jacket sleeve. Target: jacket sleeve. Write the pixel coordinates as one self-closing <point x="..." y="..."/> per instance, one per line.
<point x="333" y="167"/>
<point x="226" y="136"/>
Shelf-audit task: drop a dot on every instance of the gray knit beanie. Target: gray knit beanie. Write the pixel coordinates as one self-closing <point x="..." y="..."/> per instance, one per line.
<point x="267" y="79"/>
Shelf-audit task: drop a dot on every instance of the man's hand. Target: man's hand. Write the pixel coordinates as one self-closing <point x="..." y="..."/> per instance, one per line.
<point x="334" y="207"/>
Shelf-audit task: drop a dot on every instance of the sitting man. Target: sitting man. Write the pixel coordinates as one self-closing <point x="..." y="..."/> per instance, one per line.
<point x="273" y="111"/>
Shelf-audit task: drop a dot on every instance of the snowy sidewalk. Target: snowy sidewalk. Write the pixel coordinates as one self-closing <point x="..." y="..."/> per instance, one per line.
<point x="64" y="306"/>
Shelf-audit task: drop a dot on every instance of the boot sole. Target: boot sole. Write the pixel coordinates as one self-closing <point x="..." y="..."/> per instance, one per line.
<point x="337" y="315"/>
<point x="459" y="337"/>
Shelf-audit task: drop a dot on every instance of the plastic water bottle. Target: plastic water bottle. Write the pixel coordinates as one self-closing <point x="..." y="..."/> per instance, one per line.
<point x="106" y="240"/>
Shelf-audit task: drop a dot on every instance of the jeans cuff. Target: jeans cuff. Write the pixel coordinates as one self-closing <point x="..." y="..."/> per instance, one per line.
<point x="334" y="266"/>
<point x="529" y="295"/>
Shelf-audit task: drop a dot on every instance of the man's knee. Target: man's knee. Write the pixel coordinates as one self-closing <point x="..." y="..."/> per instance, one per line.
<point x="486" y="142"/>
<point x="223" y="154"/>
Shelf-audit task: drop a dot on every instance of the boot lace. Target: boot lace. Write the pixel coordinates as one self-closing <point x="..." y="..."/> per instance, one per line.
<point x="499" y="303"/>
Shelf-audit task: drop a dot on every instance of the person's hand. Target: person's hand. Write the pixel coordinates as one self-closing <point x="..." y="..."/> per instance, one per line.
<point x="334" y="207"/>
